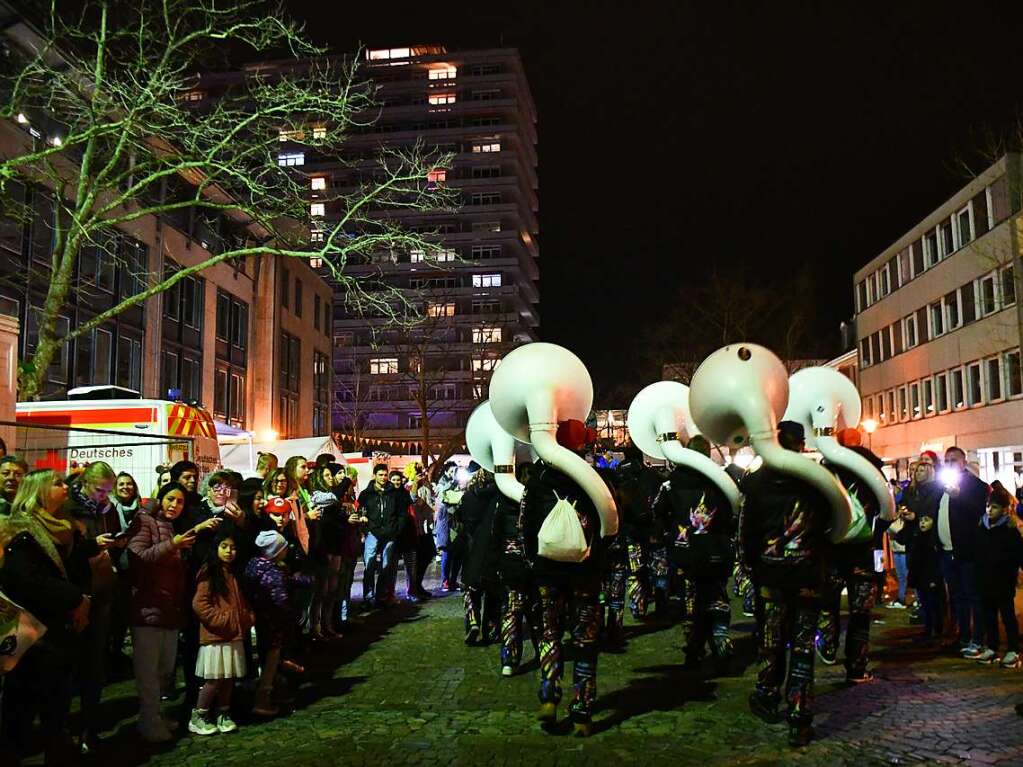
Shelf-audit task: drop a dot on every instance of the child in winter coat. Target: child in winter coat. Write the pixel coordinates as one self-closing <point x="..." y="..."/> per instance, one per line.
<point x="224" y="620"/>
<point x="266" y="584"/>
<point x="997" y="570"/>
<point x="920" y="537"/>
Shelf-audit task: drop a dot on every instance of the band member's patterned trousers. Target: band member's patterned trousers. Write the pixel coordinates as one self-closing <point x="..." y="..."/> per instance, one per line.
<point x="520" y="607"/>
<point x="789" y="625"/>
<point x="482" y="613"/>
<point x="743" y="587"/>
<point x="707" y="618"/>
<point x="613" y="591"/>
<point x="585" y="633"/>
<point x="637" y="588"/>
<point x="861" y="585"/>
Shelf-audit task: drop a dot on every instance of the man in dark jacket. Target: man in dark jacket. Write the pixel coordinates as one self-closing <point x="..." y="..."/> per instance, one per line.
<point x="960" y="510"/>
<point x="12" y="471"/>
<point x="381" y="503"/>
<point x="696" y="521"/>
<point x="563" y="584"/>
<point x="782" y="540"/>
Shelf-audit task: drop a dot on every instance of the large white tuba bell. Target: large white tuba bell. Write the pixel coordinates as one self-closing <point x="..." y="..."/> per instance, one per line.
<point x="536" y="387"/>
<point x="658" y="416"/>
<point x="825" y="401"/>
<point x="494" y="449"/>
<point x="736" y="397"/>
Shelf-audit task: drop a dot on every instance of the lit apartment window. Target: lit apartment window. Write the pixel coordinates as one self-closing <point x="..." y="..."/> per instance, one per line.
<point x="437" y="176"/>
<point x="443" y="72"/>
<point x="486" y="147"/>
<point x="486" y="280"/>
<point x="486" y="335"/>
<point x="319" y="132"/>
<point x="317" y="235"/>
<point x="973" y="382"/>
<point x="1013" y="374"/>
<point x="446" y="254"/>
<point x="485" y="364"/>
<point x="191" y="96"/>
<point x="383" y="54"/>
<point x="318" y="183"/>
<point x="315" y="263"/>
<point x="993" y="376"/>
<point x="290" y="134"/>
<point x="440" y="310"/>
<point x="438" y="99"/>
<point x="290" y="159"/>
<point x="417" y="256"/>
<point x="928" y="390"/>
<point x="383" y="365"/>
<point x="317" y="209"/>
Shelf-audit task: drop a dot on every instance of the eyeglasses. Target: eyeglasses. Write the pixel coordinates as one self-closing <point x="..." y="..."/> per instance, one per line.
<point x="220" y="488"/>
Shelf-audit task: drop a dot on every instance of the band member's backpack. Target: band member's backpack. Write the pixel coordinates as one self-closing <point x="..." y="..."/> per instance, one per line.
<point x="561" y="535"/>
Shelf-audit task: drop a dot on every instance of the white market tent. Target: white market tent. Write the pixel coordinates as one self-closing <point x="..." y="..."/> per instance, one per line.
<point x="239" y="452"/>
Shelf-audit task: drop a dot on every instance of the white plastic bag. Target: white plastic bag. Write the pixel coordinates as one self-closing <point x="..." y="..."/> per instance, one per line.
<point x="561" y="536"/>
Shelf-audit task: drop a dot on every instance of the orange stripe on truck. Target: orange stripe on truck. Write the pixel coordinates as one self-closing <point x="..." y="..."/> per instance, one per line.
<point x="115" y="416"/>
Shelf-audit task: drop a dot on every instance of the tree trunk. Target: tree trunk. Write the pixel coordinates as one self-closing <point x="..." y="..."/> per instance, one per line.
<point x="47" y="343"/>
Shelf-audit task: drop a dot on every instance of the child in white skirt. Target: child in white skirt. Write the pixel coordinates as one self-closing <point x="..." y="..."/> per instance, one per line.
<point x="224" y="619"/>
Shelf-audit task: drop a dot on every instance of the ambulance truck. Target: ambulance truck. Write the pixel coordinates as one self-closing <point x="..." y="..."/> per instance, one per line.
<point x="132" y="435"/>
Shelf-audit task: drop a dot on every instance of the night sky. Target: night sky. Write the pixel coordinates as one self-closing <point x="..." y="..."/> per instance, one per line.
<point x="677" y="135"/>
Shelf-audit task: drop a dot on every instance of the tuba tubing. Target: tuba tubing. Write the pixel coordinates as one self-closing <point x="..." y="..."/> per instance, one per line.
<point x="842" y="456"/>
<point x="676" y="453"/>
<point x="542" y="436"/>
<point x="746" y="385"/>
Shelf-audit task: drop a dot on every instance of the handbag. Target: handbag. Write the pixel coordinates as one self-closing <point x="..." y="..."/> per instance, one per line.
<point x="19" y="630"/>
<point x="561" y="535"/>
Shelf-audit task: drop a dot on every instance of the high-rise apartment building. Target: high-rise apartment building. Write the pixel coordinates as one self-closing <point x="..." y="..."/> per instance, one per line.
<point x="478" y="295"/>
<point x="938" y="330"/>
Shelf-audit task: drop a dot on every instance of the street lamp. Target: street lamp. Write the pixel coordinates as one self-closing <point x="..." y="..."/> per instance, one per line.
<point x="870" y="426"/>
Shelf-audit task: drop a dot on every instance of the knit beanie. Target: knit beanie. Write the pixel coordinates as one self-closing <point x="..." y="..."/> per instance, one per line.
<point x="271" y="543"/>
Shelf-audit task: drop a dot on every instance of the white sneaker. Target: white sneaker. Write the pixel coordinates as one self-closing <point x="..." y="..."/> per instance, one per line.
<point x="986" y="656"/>
<point x="971" y="650"/>
<point x="200" y="725"/>
<point x="897" y="605"/>
<point x="507" y="670"/>
<point x="226" y="724"/>
<point x="1011" y="660"/>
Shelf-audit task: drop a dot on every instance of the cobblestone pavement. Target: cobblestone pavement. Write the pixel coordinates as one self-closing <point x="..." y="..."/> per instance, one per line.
<point x="403" y="689"/>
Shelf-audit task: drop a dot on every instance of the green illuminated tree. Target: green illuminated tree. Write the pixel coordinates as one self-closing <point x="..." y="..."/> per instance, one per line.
<point x="134" y="129"/>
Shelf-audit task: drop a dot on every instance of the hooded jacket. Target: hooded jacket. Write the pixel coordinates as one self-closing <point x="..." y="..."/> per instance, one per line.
<point x="546" y="485"/>
<point x="221" y="618"/>
<point x="696" y="522"/>
<point x="1002" y="557"/>
<point x="782" y="529"/>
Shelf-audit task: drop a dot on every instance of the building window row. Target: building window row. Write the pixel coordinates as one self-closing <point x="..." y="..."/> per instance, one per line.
<point x="985" y="381"/>
<point x="975" y="300"/>
<point x="963" y="226"/>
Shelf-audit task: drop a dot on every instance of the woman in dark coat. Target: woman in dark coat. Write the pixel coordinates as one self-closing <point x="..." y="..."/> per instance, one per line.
<point x="46" y="571"/>
<point x="480" y="576"/>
